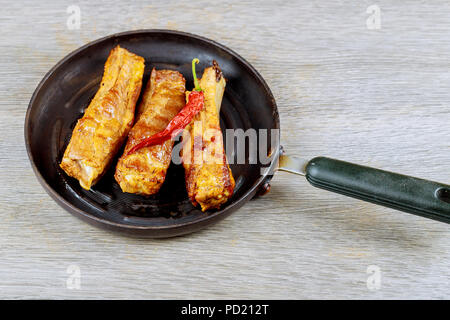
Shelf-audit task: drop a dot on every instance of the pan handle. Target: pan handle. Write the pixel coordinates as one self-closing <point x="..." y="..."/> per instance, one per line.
<point x="413" y="195"/>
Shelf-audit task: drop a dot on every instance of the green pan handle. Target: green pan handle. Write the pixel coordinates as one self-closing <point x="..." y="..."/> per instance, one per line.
<point x="421" y="197"/>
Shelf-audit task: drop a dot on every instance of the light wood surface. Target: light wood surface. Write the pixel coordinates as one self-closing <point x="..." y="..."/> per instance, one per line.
<point x="376" y="97"/>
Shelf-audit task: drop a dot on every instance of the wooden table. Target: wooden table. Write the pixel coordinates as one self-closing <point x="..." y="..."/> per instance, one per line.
<point x="345" y="88"/>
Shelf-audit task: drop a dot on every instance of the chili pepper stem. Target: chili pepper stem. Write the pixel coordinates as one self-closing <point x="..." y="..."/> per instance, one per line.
<point x="197" y="86"/>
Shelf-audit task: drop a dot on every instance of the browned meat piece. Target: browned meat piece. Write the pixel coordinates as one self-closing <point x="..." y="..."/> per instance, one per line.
<point x="144" y="171"/>
<point x="209" y="180"/>
<point x="107" y="120"/>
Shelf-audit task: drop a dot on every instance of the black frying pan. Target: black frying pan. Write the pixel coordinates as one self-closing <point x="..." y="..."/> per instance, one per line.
<point x="60" y="99"/>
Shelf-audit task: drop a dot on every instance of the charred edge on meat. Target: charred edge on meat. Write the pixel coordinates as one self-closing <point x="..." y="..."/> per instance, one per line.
<point x="218" y="71"/>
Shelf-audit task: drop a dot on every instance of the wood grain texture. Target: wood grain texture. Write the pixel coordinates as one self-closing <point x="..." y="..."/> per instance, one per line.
<point x="375" y="97"/>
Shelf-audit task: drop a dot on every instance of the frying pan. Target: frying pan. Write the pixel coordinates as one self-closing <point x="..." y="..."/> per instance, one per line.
<point x="66" y="90"/>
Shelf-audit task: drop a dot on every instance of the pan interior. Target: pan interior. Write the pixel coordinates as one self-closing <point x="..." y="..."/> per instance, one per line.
<point x="66" y="91"/>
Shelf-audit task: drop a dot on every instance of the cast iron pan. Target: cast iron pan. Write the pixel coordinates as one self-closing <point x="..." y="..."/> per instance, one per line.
<point x="61" y="97"/>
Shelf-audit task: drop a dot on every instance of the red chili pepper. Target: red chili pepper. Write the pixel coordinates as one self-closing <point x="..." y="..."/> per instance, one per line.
<point x="195" y="103"/>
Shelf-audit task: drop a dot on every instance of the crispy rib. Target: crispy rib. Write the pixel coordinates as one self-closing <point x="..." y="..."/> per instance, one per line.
<point x="144" y="171"/>
<point x="107" y="120"/>
<point x="209" y="181"/>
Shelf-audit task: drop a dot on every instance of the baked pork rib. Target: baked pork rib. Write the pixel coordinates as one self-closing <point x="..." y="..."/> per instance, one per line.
<point x="143" y="171"/>
<point x="99" y="134"/>
<point x="209" y="181"/>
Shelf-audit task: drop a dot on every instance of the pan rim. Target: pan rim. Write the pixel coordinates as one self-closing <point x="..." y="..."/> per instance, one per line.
<point x="65" y="204"/>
